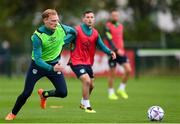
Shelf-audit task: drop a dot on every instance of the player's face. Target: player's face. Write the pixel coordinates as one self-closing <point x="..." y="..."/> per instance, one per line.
<point x="115" y="16"/>
<point x="89" y="19"/>
<point x="51" y="22"/>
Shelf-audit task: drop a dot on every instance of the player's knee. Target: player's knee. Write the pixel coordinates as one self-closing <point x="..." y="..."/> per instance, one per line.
<point x="128" y="70"/>
<point x="61" y="94"/>
<point x="88" y="82"/>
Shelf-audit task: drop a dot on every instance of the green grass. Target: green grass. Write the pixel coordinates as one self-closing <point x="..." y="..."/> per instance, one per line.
<point x="143" y="93"/>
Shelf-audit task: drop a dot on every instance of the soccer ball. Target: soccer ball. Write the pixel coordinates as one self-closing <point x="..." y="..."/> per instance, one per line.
<point x="155" y="113"/>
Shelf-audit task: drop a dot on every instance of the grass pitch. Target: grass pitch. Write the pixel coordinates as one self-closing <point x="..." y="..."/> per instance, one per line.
<point x="143" y="93"/>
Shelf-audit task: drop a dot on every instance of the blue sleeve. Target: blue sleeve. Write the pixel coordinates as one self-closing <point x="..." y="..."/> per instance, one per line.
<point x="37" y="48"/>
<point x="71" y="34"/>
<point x="102" y="46"/>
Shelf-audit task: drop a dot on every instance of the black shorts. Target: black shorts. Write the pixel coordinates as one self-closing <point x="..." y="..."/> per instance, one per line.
<point x="119" y="59"/>
<point x="82" y="69"/>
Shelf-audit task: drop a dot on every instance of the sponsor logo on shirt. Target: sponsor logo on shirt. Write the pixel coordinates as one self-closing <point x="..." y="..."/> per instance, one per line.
<point x="52" y="39"/>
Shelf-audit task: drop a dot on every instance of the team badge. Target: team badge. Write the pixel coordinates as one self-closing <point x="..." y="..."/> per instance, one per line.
<point x="112" y="64"/>
<point x="58" y="72"/>
<point x="34" y="71"/>
<point x="82" y="70"/>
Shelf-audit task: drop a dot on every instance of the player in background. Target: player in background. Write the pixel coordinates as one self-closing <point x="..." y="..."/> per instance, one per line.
<point x="115" y="41"/>
<point x="47" y="42"/>
<point x="82" y="56"/>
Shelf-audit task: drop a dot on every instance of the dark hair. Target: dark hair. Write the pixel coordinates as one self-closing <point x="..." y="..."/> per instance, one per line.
<point x="114" y="10"/>
<point x="87" y="12"/>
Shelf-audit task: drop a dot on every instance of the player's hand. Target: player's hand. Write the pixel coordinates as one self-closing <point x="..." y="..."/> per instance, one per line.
<point x="113" y="55"/>
<point x="120" y="52"/>
<point x="58" y="67"/>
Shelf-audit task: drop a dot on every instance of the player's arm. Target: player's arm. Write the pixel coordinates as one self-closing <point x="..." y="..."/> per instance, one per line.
<point x="108" y="36"/>
<point x="37" y="48"/>
<point x="70" y="34"/>
<point x="104" y="48"/>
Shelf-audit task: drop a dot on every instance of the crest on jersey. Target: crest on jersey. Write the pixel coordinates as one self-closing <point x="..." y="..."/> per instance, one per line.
<point x="82" y="70"/>
<point x="34" y="71"/>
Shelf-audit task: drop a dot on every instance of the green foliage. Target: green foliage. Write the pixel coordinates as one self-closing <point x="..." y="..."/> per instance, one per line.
<point x="16" y="20"/>
<point x="142" y="30"/>
<point x="175" y="7"/>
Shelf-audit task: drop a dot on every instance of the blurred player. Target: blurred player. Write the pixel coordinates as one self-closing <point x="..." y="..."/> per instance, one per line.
<point x="47" y="42"/>
<point x="114" y="38"/>
<point x="82" y="56"/>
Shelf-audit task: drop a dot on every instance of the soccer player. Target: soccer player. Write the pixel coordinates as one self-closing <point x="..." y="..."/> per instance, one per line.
<point x="47" y="41"/>
<point x="114" y="38"/>
<point x="82" y="56"/>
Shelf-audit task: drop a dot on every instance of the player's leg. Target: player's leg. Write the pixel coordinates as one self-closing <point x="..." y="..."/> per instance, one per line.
<point x="85" y="80"/>
<point x="111" y="77"/>
<point x="78" y="71"/>
<point x="82" y="74"/>
<point x="127" y="69"/>
<point x="59" y="83"/>
<point x="87" y="87"/>
<point x="91" y="75"/>
<point x="33" y="75"/>
<point x="60" y="90"/>
<point x="91" y="87"/>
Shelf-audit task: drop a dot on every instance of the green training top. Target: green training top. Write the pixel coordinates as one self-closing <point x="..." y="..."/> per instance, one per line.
<point x="51" y="44"/>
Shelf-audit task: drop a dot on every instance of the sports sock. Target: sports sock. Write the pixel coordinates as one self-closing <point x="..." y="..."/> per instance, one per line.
<point x="122" y="86"/>
<point x="49" y="93"/>
<point x="82" y="101"/>
<point x="111" y="91"/>
<point x="86" y="103"/>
